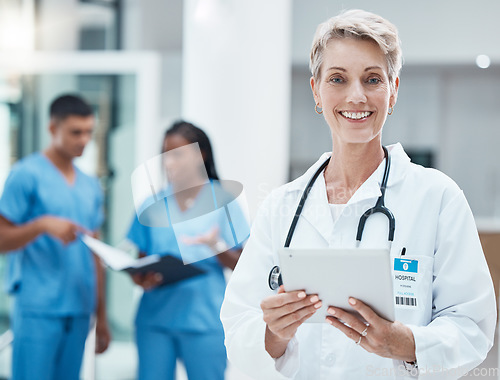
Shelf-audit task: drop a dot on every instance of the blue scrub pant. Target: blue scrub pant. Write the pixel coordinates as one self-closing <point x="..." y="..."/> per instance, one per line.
<point x="203" y="354"/>
<point x="48" y="348"/>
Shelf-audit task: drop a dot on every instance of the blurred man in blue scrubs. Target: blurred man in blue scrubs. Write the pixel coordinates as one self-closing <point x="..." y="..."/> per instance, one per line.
<point x="56" y="282"/>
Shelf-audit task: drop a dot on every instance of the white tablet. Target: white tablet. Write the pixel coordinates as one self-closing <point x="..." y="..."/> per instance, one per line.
<point x="337" y="274"/>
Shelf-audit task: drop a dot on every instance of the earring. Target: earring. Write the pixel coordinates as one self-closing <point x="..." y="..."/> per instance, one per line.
<point x="391" y="110"/>
<point x="316" y="109"/>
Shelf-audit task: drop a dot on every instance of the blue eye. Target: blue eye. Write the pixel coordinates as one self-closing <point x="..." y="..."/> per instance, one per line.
<point x="374" y="81"/>
<point x="336" y="80"/>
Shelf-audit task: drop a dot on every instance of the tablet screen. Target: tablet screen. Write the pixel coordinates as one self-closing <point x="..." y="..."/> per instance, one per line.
<point x="337" y="274"/>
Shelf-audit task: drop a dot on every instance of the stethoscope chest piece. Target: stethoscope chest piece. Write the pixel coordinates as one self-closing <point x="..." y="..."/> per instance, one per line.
<point x="274" y="279"/>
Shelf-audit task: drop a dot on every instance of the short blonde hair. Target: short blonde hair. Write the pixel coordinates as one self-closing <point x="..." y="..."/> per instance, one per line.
<point x="361" y="25"/>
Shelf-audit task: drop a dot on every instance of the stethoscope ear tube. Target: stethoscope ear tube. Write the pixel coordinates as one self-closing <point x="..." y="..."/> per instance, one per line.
<point x="302" y="201"/>
<point x="275" y="280"/>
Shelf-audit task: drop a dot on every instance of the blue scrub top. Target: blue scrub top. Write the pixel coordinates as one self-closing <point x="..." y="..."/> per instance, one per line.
<point x="194" y="304"/>
<point x="46" y="276"/>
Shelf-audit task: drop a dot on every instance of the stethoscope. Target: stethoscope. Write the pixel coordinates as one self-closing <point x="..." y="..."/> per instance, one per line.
<point x="275" y="280"/>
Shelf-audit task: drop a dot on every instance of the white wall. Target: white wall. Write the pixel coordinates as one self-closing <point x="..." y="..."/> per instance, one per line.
<point x="152" y="25"/>
<point x="471" y="134"/>
<point x="431" y="31"/>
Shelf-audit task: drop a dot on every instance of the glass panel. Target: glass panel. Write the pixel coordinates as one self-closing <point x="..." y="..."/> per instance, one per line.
<point x="99" y="25"/>
<point x="10" y="96"/>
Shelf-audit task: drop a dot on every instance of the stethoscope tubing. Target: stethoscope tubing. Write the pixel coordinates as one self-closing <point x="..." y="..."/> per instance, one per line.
<point x="275" y="279"/>
<point x="380" y="205"/>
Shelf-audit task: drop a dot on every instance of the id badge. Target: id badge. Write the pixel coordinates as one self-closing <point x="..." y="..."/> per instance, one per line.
<point x="406" y="279"/>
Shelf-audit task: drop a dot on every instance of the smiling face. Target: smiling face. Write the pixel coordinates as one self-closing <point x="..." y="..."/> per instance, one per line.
<point x="354" y="90"/>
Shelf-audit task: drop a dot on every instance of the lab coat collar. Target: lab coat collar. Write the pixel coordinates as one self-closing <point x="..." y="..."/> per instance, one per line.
<point x="316" y="209"/>
<point x="399" y="165"/>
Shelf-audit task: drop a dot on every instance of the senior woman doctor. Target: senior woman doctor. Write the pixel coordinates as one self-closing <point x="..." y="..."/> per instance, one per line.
<point x="355" y="61"/>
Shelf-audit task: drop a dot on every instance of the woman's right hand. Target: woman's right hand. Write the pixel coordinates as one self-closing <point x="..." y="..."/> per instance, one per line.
<point x="147" y="280"/>
<point x="283" y="314"/>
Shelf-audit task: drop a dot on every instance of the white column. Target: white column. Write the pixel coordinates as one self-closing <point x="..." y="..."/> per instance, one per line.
<point x="236" y="86"/>
<point x="59" y="25"/>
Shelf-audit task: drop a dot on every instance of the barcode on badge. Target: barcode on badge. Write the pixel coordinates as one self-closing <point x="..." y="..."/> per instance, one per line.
<point x="407" y="301"/>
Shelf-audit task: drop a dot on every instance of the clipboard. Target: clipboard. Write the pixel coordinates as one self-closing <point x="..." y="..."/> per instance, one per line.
<point x="171" y="268"/>
<point x="337" y="274"/>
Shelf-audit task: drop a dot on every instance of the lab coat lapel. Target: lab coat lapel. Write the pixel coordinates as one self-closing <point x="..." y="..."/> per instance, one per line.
<point x="370" y="189"/>
<point x="317" y="211"/>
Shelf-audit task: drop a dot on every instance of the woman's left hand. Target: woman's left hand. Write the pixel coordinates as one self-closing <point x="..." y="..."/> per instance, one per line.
<point x="376" y="335"/>
<point x="209" y="238"/>
<point x="227" y="256"/>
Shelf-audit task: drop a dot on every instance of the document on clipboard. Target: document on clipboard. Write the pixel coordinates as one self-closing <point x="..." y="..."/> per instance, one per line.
<point x="171" y="268"/>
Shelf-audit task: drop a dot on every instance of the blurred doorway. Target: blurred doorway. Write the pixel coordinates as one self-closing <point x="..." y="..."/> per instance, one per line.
<point x="123" y="89"/>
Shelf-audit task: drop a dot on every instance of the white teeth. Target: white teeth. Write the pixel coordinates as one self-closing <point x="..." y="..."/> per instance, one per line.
<point x="355" y="115"/>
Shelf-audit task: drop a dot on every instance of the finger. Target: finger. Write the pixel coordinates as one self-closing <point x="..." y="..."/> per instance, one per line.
<point x="149" y="281"/>
<point x="278" y="310"/>
<point x="298" y="315"/>
<point x="211" y="236"/>
<point x="83" y="230"/>
<point x="74" y="228"/>
<point x="288" y="314"/>
<point x="106" y="343"/>
<point x="215" y="232"/>
<point x="353" y="321"/>
<point x="100" y="346"/>
<point x="152" y="276"/>
<point x="103" y="346"/>
<point x="152" y="279"/>
<point x="192" y="241"/>
<point x="289" y="331"/>
<point x="186" y="239"/>
<point x="138" y="277"/>
<point x="69" y="236"/>
<point x="158" y="278"/>
<point x="283" y="298"/>
<point x="348" y="331"/>
<point x="365" y="311"/>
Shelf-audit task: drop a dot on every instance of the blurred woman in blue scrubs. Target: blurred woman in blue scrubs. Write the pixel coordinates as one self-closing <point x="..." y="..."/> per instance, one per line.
<point x="181" y="320"/>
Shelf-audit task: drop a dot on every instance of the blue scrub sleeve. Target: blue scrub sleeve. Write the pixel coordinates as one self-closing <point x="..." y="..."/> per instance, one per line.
<point x="99" y="206"/>
<point x="17" y="196"/>
<point x="237" y="230"/>
<point x="139" y="235"/>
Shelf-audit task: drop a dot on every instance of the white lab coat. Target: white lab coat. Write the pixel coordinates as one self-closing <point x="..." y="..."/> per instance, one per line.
<point x="454" y="323"/>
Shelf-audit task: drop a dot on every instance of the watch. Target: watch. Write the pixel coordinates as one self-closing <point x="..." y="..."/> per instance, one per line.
<point x="220" y="246"/>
